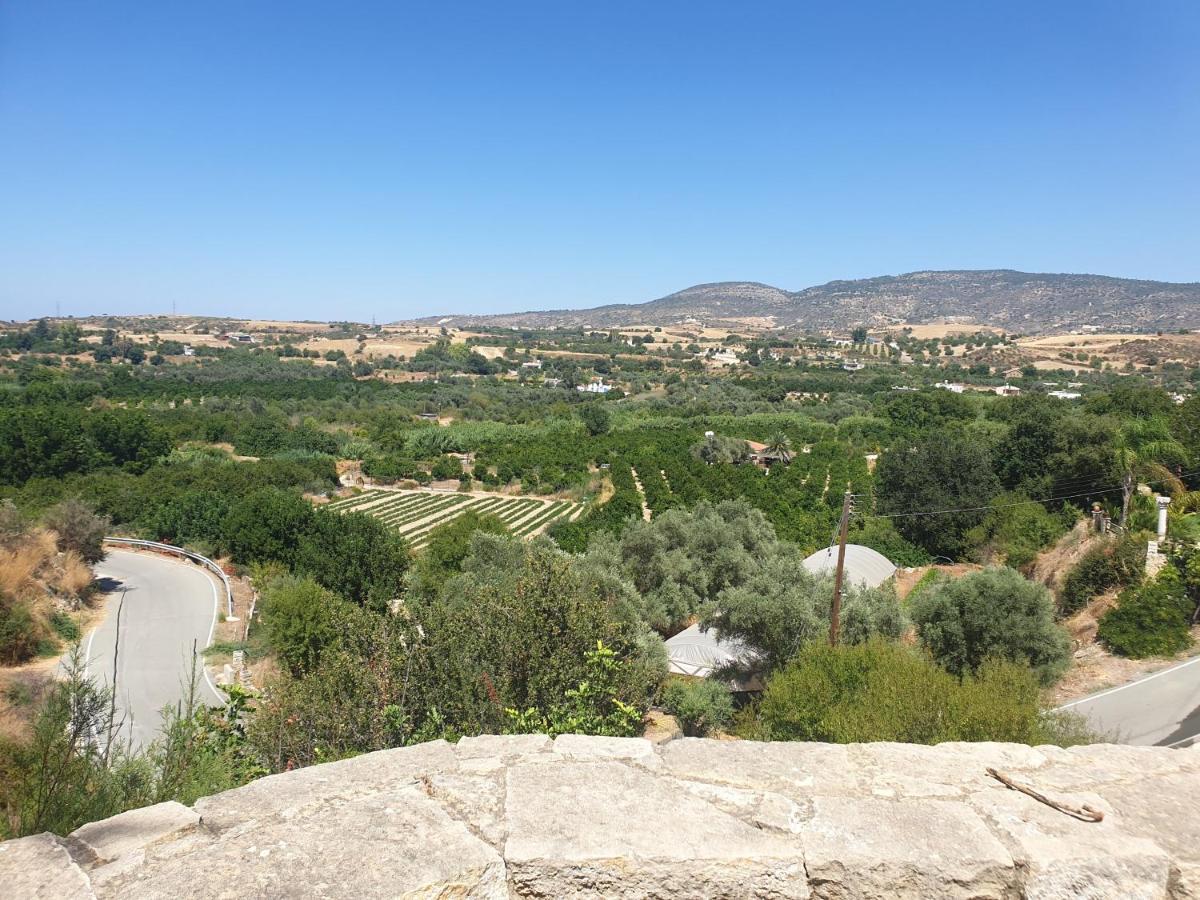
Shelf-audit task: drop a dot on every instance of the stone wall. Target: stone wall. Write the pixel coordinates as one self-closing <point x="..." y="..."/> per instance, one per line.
<point x="619" y="817"/>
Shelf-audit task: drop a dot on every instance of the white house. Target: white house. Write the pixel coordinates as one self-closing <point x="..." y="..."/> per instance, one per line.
<point x="1065" y="395"/>
<point x="596" y="386"/>
<point x="951" y="386"/>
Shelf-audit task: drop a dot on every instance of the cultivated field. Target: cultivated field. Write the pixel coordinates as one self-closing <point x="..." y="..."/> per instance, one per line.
<point x="415" y="513"/>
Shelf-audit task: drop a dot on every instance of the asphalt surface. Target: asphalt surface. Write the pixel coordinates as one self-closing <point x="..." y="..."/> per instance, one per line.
<point x="1162" y="709"/>
<point x="169" y="607"/>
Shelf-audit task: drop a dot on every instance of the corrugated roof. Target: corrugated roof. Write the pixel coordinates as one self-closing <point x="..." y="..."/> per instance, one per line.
<point x="864" y="567"/>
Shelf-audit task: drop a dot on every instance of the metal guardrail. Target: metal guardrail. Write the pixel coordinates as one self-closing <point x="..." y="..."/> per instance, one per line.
<point x="188" y="554"/>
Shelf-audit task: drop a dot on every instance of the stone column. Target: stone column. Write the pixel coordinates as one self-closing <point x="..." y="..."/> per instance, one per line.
<point x="1163" y="503"/>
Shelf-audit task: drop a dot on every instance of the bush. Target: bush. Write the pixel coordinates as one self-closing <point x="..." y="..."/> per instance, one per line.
<point x="1112" y="564"/>
<point x="302" y="619"/>
<point x="880" y="691"/>
<point x="700" y="706"/>
<point x="996" y="613"/>
<point x="19" y="632"/>
<point x="1150" y="620"/>
<point x="65" y="627"/>
<point x="78" y="529"/>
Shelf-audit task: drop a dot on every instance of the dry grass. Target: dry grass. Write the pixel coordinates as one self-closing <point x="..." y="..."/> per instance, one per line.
<point x="19" y="567"/>
<point x="76" y="576"/>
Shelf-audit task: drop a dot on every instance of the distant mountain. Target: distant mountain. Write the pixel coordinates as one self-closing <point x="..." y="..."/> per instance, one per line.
<point x="1019" y="302"/>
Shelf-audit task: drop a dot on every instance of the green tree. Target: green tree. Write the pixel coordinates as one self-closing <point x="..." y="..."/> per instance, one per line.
<point x="513" y="630"/>
<point x="355" y="555"/>
<point x="596" y="418"/>
<point x="993" y="614"/>
<point x="267" y="525"/>
<point x="937" y="489"/>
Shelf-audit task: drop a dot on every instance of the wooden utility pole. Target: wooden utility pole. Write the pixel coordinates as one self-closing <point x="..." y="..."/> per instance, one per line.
<point x="835" y="613"/>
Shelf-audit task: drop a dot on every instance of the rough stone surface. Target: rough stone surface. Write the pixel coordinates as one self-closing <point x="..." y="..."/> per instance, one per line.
<point x="109" y="839"/>
<point x="40" y="868"/>
<point x="524" y="816"/>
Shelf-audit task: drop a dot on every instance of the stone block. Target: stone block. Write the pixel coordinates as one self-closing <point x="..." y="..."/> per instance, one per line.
<point x="400" y="843"/>
<point x="579" y="746"/>
<point x="605" y="829"/>
<point x="903" y="849"/>
<point x="119" y="835"/>
<point x="40" y="868"/>
<point x="1061" y="856"/>
<point x="306" y="791"/>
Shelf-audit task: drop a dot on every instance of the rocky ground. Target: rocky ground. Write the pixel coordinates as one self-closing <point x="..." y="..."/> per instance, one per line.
<point x="579" y="816"/>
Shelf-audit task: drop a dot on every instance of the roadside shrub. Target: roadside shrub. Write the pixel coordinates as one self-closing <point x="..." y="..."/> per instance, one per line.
<point x="881" y="691"/>
<point x="700" y="706"/>
<point x="1150" y="620"/>
<point x="19" y="632"/>
<point x="993" y="614"/>
<point x="78" y="529"/>
<point x="65" y="627"/>
<point x="1113" y="564"/>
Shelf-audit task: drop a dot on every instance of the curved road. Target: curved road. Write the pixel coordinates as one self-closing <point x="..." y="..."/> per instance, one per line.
<point x="1162" y="709"/>
<point x="169" y="606"/>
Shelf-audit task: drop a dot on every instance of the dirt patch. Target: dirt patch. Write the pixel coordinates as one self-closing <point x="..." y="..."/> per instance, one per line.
<point x="907" y="579"/>
<point x="1052" y="565"/>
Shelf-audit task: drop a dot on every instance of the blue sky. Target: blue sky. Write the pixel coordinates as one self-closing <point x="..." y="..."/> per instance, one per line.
<point x="349" y="160"/>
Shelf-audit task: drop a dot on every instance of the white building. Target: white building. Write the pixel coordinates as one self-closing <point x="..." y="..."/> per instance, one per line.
<point x="1007" y="390"/>
<point x="1065" y="395"/>
<point x="951" y="386"/>
<point x="596" y="386"/>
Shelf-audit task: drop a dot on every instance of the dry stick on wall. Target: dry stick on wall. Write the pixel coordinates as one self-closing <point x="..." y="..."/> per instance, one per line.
<point x="1084" y="813"/>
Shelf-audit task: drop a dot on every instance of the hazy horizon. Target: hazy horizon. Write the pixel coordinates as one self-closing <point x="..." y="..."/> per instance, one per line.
<point x="275" y="161"/>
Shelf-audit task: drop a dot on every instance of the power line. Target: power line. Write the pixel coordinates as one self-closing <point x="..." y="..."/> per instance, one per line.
<point x="939" y="512"/>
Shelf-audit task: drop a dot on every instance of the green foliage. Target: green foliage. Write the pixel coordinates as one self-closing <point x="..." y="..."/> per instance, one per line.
<point x="595" y="417"/>
<point x="881" y="535"/>
<point x="266" y="525"/>
<point x="948" y="474"/>
<point x="593" y="706"/>
<point x="355" y="555"/>
<point x="512" y="631"/>
<point x="781" y="607"/>
<point x="721" y="449"/>
<point x="701" y="706"/>
<point x="1149" y="620"/>
<point x="302" y="619"/>
<point x="1111" y="564"/>
<point x="1017" y="529"/>
<point x="19" y="632"/>
<point x="880" y="691"/>
<point x="448" y="546"/>
<point x="680" y="561"/>
<point x="65" y="626"/>
<point x="75" y="767"/>
<point x="993" y="614"/>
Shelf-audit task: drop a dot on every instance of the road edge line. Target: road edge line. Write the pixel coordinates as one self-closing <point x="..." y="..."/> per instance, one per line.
<point x="1121" y="687"/>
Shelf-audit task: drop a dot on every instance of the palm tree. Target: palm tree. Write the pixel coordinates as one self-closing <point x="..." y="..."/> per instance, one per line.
<point x="780" y="446"/>
<point x="1146" y="450"/>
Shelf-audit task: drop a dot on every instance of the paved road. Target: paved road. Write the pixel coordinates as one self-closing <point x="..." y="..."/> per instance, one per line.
<point x="168" y="605"/>
<point x="1162" y="709"/>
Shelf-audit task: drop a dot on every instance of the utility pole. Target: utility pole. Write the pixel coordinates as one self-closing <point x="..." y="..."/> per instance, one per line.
<point x="835" y="613"/>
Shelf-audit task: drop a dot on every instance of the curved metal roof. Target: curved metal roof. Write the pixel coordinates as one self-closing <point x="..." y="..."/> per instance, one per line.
<point x="864" y="567"/>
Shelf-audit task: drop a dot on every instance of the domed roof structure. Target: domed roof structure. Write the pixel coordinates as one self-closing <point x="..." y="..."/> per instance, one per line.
<point x="864" y="567"/>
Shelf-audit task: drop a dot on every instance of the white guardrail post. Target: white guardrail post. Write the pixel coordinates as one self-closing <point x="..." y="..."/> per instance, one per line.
<point x="194" y="557"/>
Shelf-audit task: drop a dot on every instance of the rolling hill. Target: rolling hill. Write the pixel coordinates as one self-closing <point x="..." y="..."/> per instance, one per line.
<point x="1019" y="302"/>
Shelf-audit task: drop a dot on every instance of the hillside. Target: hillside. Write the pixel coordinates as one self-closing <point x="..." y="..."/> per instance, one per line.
<point x="1019" y="302"/>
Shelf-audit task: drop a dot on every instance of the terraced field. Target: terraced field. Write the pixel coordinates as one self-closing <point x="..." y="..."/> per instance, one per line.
<point x="415" y="513"/>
